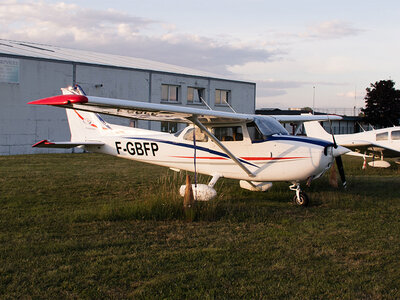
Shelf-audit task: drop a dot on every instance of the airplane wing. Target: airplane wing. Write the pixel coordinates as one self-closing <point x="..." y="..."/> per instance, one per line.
<point x="305" y="118"/>
<point x="48" y="144"/>
<point x="389" y="151"/>
<point x="360" y="147"/>
<point x="160" y="112"/>
<point x="142" y="110"/>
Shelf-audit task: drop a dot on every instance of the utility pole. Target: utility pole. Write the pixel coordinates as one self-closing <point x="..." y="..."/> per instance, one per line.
<point x="313" y="101"/>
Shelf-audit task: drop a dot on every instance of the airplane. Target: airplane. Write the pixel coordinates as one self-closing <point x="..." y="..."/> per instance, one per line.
<point x="255" y="149"/>
<point x="385" y="140"/>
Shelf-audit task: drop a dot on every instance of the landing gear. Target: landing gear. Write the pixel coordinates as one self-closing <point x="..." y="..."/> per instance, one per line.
<point x="301" y="198"/>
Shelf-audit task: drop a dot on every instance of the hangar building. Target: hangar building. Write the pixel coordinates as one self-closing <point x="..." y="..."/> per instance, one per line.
<point x="31" y="71"/>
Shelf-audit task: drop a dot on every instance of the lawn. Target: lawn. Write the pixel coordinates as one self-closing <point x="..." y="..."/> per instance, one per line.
<point x="94" y="226"/>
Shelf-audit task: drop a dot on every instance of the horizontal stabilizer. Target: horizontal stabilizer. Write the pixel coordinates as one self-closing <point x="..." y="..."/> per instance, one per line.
<point x="47" y="144"/>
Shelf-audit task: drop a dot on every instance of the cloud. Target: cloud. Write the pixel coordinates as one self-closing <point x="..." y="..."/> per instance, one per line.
<point x="330" y="30"/>
<point x="111" y="31"/>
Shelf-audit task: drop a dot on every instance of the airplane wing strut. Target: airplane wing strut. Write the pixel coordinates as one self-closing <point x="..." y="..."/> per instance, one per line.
<point x="195" y="120"/>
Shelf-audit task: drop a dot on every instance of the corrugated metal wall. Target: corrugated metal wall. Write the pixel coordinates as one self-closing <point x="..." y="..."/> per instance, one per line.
<point x="22" y="125"/>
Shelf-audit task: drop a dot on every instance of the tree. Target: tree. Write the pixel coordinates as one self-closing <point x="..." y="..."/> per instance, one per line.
<point x="382" y="104"/>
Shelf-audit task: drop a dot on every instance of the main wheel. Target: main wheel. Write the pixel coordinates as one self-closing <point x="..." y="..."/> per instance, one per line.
<point x="302" y="201"/>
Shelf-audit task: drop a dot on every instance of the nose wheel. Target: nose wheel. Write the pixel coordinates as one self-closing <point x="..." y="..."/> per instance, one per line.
<point x="300" y="198"/>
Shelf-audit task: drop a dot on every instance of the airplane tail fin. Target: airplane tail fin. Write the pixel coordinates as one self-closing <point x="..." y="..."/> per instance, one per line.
<point x="314" y="129"/>
<point x="83" y="125"/>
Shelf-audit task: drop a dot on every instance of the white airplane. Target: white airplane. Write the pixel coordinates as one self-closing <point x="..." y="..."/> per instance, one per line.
<point x="256" y="150"/>
<point x="386" y="140"/>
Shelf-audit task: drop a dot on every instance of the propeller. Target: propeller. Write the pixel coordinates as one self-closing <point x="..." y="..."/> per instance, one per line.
<point x="338" y="159"/>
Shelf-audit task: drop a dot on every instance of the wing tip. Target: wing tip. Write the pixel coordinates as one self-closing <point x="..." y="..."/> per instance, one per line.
<point x="60" y="100"/>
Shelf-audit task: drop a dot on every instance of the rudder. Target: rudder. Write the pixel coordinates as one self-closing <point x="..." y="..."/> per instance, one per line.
<point x="83" y="125"/>
<point x="314" y="129"/>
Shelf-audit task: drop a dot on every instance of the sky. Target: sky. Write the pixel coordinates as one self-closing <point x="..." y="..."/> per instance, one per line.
<point x="321" y="54"/>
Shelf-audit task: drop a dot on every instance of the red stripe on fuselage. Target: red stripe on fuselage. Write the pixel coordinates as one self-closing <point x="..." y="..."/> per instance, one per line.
<point x="244" y="158"/>
<point x="200" y="157"/>
<point x="271" y="158"/>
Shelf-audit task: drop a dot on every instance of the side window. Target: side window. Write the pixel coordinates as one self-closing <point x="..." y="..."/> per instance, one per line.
<point x="382" y="136"/>
<point x="200" y="135"/>
<point x="227" y="134"/>
<point x="254" y="133"/>
<point x="396" y="135"/>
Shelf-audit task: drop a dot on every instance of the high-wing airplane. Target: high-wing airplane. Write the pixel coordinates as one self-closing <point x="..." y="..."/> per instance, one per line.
<point x="384" y="141"/>
<point x="256" y="150"/>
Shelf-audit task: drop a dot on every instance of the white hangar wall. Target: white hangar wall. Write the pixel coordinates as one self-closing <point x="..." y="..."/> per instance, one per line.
<point x="22" y="125"/>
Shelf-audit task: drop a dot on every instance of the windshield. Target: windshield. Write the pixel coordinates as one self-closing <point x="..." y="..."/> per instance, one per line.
<point x="269" y="126"/>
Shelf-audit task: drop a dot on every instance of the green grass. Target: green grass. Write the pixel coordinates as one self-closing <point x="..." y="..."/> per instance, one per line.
<point x="93" y="226"/>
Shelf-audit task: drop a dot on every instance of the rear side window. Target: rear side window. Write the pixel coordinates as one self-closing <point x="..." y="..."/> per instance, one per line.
<point x="382" y="136"/>
<point x="228" y="134"/>
<point x="396" y="135"/>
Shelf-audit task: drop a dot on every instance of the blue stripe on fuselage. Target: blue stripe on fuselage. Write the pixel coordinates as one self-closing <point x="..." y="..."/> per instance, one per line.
<point x="300" y="139"/>
<point x="192" y="147"/>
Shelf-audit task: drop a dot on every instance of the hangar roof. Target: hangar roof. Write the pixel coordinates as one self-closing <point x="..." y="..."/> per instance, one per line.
<point x="42" y="51"/>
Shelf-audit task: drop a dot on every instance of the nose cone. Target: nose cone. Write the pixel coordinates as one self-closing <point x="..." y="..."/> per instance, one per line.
<point x="339" y="151"/>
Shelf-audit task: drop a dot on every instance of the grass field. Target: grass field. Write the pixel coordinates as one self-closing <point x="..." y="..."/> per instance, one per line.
<point x="93" y="226"/>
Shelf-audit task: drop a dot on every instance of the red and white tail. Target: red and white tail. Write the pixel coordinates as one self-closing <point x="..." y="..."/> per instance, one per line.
<point x="83" y="125"/>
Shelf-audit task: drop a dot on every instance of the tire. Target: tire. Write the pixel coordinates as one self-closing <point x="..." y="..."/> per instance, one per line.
<point x="303" y="201"/>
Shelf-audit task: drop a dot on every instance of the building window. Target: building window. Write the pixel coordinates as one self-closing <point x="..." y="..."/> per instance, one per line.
<point x="222" y="96"/>
<point x="194" y="94"/>
<point x="169" y="93"/>
<point x="170" y="127"/>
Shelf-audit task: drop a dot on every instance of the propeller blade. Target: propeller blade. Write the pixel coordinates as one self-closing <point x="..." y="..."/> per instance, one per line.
<point x="338" y="157"/>
<point x="333" y="136"/>
<point x="333" y="177"/>
<point x="339" y="164"/>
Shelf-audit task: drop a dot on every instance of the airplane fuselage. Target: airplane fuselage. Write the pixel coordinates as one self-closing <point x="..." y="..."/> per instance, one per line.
<point x="280" y="158"/>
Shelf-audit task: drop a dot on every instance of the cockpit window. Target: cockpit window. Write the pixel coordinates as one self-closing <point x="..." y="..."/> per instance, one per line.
<point x="269" y="126"/>
<point x="254" y="133"/>
<point x="262" y="128"/>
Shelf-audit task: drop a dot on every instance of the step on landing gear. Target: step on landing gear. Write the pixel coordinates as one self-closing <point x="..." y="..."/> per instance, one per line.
<point x="300" y="198"/>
